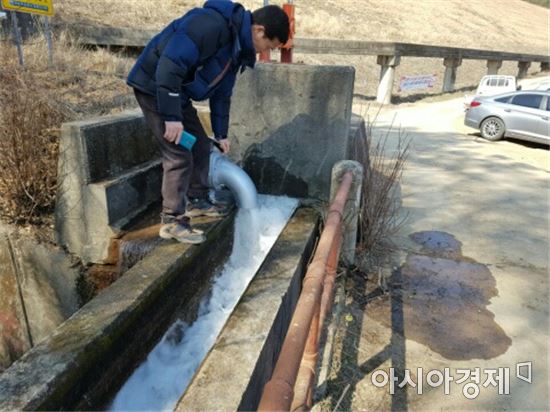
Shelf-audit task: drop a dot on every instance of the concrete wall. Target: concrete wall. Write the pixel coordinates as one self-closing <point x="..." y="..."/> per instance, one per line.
<point x="290" y="124"/>
<point x="38" y="292"/>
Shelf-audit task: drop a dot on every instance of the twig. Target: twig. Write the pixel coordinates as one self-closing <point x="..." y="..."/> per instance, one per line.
<point x="341" y="397"/>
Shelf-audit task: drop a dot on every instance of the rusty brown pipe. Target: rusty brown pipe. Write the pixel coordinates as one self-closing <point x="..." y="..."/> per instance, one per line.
<point x="303" y="389"/>
<point x="279" y="391"/>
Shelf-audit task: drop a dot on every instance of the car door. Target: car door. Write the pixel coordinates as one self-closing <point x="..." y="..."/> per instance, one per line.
<point x="524" y="116"/>
<point x="545" y="124"/>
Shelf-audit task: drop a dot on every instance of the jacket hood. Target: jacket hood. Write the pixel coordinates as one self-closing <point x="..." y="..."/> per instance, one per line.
<point x="242" y="23"/>
<point x="224" y="7"/>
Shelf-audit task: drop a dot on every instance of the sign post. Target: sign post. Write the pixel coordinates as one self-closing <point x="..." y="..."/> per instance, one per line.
<point x="17" y="36"/>
<point x="44" y="7"/>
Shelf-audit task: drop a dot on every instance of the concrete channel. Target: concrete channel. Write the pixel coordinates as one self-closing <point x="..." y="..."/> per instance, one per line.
<point x="89" y="356"/>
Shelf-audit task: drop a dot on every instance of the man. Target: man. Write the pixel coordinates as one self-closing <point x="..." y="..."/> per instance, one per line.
<point x="197" y="57"/>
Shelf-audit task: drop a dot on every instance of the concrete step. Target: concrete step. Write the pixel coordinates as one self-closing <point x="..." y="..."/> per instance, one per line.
<point x="109" y="173"/>
<point x="111" y="145"/>
<point x="130" y="194"/>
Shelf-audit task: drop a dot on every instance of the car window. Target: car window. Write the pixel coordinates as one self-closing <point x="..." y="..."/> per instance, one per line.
<point x="527" y="100"/>
<point x="548" y="104"/>
<point x="502" y="82"/>
<point x="493" y="82"/>
<point x="503" y="99"/>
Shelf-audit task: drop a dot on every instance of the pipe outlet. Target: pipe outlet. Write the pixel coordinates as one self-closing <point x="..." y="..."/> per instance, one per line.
<point x="223" y="172"/>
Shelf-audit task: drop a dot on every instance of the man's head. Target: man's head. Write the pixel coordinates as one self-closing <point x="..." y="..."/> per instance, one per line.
<point x="270" y="28"/>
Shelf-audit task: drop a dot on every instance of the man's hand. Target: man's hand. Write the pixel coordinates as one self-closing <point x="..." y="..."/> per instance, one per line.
<point x="225" y="145"/>
<point x="173" y="131"/>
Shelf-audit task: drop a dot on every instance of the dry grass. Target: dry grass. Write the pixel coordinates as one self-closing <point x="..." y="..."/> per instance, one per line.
<point x="29" y="128"/>
<point x="35" y="101"/>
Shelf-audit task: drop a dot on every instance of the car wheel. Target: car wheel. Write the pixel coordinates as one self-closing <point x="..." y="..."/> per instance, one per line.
<point x="492" y="129"/>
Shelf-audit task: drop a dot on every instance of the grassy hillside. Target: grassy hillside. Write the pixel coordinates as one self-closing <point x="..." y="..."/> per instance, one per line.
<point x="509" y="25"/>
<point x="513" y="25"/>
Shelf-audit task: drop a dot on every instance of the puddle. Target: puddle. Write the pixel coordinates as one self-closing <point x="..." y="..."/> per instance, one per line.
<point x="436" y="243"/>
<point x="443" y="297"/>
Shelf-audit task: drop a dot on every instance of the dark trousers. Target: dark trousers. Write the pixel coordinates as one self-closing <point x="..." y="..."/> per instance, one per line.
<point x="185" y="173"/>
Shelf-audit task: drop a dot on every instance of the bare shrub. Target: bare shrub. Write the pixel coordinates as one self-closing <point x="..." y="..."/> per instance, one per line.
<point x="383" y="168"/>
<point x="29" y="140"/>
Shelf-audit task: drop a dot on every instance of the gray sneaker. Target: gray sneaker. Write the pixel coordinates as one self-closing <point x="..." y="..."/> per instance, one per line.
<point x="204" y="207"/>
<point x="182" y="233"/>
<point x="180" y="229"/>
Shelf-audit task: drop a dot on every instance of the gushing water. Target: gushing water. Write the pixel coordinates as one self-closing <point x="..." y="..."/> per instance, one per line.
<point x="159" y="382"/>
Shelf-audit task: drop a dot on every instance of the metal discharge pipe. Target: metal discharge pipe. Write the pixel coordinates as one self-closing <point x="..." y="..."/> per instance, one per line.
<point x="279" y="391"/>
<point x="223" y="172"/>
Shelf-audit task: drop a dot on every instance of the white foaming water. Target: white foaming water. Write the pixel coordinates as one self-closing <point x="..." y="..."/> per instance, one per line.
<point x="159" y="382"/>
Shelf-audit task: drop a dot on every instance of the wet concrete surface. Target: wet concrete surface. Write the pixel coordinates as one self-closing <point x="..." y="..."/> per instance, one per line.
<point x="444" y="298"/>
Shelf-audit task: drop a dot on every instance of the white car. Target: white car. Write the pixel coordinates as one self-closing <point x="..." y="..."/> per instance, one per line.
<point x="492" y="85"/>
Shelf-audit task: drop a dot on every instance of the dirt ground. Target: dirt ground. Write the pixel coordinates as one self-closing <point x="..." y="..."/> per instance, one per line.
<point x="467" y="281"/>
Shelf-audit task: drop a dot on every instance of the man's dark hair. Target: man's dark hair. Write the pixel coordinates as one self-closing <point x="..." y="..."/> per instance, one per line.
<point x="275" y="21"/>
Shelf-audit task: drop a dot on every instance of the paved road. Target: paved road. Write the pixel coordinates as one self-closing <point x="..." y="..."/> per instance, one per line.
<point x="471" y="276"/>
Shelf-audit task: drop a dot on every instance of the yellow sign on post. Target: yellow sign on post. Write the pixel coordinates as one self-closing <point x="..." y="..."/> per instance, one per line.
<point x="29" y="6"/>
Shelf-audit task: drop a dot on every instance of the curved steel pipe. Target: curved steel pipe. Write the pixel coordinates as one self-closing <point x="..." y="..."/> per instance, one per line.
<point x="223" y="172"/>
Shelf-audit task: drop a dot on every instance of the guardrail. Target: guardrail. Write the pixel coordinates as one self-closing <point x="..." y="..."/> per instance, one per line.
<point x="388" y="53"/>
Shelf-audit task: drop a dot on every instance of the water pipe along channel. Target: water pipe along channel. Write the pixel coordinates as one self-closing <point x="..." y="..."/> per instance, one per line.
<point x="279" y="392"/>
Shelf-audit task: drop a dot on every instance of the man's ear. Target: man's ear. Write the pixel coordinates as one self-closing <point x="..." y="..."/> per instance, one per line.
<point x="258" y="30"/>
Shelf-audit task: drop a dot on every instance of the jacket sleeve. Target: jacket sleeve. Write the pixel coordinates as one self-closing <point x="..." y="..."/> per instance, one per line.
<point x="178" y="57"/>
<point x="220" y="104"/>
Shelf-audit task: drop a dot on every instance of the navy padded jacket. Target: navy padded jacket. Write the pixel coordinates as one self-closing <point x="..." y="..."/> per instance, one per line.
<point x="197" y="57"/>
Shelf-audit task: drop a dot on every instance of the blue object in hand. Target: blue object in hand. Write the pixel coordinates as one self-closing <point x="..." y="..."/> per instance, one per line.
<point x="187" y="140"/>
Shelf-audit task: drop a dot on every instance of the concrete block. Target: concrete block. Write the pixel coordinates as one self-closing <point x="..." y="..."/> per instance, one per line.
<point x="48" y="285"/>
<point x="290" y="124"/>
<point x="14" y="337"/>
<point x="451" y="66"/>
<point x="357" y="148"/>
<point x="109" y="171"/>
<point x="113" y="144"/>
<point x="37" y="292"/>
<point x="132" y="193"/>
<point x="493" y="66"/>
<point x="387" y="75"/>
<point x="523" y="68"/>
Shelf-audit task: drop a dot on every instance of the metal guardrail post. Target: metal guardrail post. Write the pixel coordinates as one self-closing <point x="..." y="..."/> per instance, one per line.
<point x="286" y="49"/>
